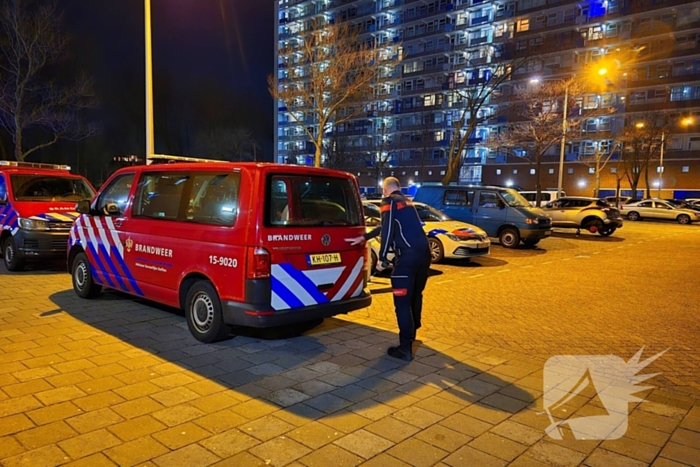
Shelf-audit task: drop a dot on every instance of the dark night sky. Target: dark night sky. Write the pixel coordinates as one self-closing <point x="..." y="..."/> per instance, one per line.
<point x="202" y="49"/>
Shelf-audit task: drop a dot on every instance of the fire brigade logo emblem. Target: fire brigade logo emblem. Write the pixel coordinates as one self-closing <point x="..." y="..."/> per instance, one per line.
<point x="129" y="244"/>
<point x="326" y="240"/>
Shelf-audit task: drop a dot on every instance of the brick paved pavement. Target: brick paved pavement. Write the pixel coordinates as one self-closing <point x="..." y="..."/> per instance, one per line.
<point x="117" y="381"/>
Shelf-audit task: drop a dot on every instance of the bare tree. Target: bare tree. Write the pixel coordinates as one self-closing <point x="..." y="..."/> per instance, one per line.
<point x="473" y="91"/>
<point x="231" y="144"/>
<point x="641" y="144"/>
<point x="330" y="77"/>
<point x="381" y="150"/>
<point x="536" y="122"/>
<point x="601" y="157"/>
<point x="339" y="152"/>
<point x="31" y="43"/>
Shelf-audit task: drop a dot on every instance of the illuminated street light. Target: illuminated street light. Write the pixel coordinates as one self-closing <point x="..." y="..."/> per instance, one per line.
<point x="150" y="142"/>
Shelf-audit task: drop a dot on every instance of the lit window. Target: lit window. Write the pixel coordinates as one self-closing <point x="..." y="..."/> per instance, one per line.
<point x="570" y="170"/>
<point x="685" y="169"/>
<point x="442" y="172"/>
<point x="532" y="171"/>
<point x="416" y="173"/>
<point x="551" y="171"/>
<point x="591" y="170"/>
<point x="498" y="171"/>
<point x="515" y="171"/>
<point x="430" y="172"/>
<point x="403" y="173"/>
<point x="613" y="170"/>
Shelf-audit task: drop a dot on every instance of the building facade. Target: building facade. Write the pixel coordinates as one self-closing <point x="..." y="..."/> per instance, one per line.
<point x="652" y="48"/>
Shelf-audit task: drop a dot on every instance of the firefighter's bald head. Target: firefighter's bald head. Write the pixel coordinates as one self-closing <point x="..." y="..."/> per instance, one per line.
<point x="390" y="185"/>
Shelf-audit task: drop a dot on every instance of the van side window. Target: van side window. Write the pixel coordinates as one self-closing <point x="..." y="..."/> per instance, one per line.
<point x="488" y="199"/>
<point x="116" y="192"/>
<point x="159" y="195"/>
<point x="214" y="198"/>
<point x="456" y="198"/>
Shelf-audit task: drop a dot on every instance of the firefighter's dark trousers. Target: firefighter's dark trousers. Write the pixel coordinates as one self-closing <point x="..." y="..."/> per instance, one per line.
<point x="407" y="282"/>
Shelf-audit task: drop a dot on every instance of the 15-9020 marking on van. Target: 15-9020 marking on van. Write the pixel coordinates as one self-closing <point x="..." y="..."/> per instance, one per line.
<point x="223" y="261"/>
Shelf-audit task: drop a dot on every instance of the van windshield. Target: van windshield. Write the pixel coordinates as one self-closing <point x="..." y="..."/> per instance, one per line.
<point x="49" y="188"/>
<point x="300" y="200"/>
<point x="515" y="199"/>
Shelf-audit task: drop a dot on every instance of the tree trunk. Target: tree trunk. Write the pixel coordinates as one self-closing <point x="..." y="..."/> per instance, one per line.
<point x="617" y="191"/>
<point x="646" y="181"/>
<point x="538" y="182"/>
<point x="596" y="189"/>
<point x="317" y="157"/>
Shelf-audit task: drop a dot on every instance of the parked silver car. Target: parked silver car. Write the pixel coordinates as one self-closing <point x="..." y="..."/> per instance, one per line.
<point x="659" y="209"/>
<point x="578" y="212"/>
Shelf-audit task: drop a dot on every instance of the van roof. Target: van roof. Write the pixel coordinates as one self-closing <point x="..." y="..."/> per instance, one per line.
<point x="226" y="165"/>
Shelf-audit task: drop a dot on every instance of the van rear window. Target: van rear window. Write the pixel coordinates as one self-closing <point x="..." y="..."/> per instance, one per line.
<point x="300" y="200"/>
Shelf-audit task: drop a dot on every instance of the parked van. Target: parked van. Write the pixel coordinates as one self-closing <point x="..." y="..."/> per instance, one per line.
<point x="501" y="212"/>
<point x="37" y="209"/>
<point x="545" y="197"/>
<point x="244" y="244"/>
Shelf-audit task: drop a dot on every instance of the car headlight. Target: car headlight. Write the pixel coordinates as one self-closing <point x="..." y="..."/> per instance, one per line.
<point x="455" y="238"/>
<point x="534" y="220"/>
<point x="33" y="224"/>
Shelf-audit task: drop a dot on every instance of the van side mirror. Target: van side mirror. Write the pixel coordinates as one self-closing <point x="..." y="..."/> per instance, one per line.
<point x="83" y="206"/>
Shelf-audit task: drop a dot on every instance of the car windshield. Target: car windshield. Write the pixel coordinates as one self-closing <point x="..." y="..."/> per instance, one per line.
<point x="515" y="199"/>
<point x="430" y="214"/>
<point x="49" y="188"/>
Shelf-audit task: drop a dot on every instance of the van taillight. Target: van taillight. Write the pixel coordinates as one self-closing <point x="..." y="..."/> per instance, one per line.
<point x="258" y="263"/>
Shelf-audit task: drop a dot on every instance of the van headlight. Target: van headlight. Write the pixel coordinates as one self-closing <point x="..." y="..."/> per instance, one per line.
<point x="532" y="220"/>
<point x="33" y="224"/>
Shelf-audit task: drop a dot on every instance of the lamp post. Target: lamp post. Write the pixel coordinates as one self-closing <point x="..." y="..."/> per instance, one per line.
<point x="563" y="141"/>
<point x="661" y="161"/>
<point x="150" y="144"/>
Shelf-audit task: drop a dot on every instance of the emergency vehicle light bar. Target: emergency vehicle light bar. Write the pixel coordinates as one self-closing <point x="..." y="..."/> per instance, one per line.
<point x="34" y="165"/>
<point x="166" y="159"/>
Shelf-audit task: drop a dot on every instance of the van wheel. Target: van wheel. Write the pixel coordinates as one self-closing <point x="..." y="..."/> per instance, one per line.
<point x="437" y="251"/>
<point x="633" y="216"/>
<point x="83" y="284"/>
<point x="509" y="238"/>
<point x="9" y="253"/>
<point x="203" y="311"/>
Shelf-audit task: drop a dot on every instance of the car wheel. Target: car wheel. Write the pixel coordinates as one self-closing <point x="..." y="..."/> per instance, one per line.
<point x="607" y="231"/>
<point x="509" y="238"/>
<point x="531" y="243"/>
<point x="594" y="226"/>
<point x="437" y="251"/>
<point x="633" y="216"/>
<point x="9" y="253"/>
<point x="683" y="219"/>
<point x="83" y="283"/>
<point x="203" y="311"/>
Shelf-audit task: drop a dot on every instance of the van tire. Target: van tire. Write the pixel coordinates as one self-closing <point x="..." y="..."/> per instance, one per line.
<point x="9" y="253"/>
<point x="205" y="319"/>
<point x="437" y="251"/>
<point x="509" y="238"/>
<point x="81" y="276"/>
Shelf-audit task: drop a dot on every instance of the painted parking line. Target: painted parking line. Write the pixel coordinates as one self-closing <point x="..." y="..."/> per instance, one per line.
<point x="475" y="276"/>
<point x="504" y="270"/>
<point x="445" y="282"/>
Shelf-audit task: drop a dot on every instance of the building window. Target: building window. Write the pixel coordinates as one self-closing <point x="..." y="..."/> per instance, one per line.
<point x="403" y="173"/>
<point x="551" y="171"/>
<point x="416" y="173"/>
<point x="442" y="172"/>
<point x="515" y="171"/>
<point x="498" y="171"/>
<point x="570" y="170"/>
<point x="591" y="170"/>
<point x="685" y="169"/>
<point x="532" y="171"/>
<point x="430" y="172"/>
<point x="392" y="173"/>
<point x="358" y="174"/>
<point x="613" y="170"/>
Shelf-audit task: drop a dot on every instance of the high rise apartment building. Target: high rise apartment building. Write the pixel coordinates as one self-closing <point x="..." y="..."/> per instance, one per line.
<point x="652" y="48"/>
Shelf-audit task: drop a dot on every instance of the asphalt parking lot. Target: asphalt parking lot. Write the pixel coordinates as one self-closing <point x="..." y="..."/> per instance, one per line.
<point x="119" y="381"/>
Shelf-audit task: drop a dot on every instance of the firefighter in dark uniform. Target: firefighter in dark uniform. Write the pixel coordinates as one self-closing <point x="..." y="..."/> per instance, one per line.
<point x="401" y="230"/>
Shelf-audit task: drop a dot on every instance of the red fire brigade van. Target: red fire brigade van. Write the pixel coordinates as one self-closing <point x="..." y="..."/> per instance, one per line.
<point x="37" y="209"/>
<point x="247" y="244"/>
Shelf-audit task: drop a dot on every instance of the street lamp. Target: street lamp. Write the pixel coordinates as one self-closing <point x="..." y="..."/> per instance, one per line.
<point x="563" y="141"/>
<point x="150" y="144"/>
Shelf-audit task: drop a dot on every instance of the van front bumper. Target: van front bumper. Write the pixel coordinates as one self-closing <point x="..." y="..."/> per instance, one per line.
<point x="257" y="316"/>
<point x="41" y="244"/>
<point x="535" y="234"/>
